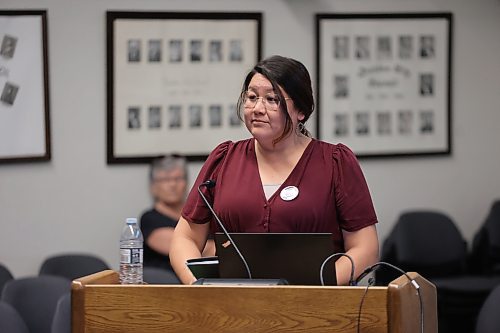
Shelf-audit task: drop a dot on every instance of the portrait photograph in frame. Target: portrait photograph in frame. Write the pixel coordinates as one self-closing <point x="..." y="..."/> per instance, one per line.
<point x="173" y="81"/>
<point x="384" y="82"/>
<point x="24" y="87"/>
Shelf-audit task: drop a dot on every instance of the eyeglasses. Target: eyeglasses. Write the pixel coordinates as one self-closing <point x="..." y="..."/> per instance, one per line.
<point x="169" y="179"/>
<point x="271" y="102"/>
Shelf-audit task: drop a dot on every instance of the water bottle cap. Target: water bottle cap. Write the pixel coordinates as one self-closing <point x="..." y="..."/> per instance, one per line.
<point x="131" y="220"/>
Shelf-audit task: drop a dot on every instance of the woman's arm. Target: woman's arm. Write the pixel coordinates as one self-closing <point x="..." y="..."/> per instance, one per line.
<point x="188" y="241"/>
<point x="209" y="249"/>
<point x="362" y="246"/>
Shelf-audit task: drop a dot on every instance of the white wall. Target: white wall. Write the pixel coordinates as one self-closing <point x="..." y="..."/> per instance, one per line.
<point x="76" y="202"/>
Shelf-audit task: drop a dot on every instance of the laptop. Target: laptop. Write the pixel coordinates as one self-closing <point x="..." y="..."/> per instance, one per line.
<point x="295" y="257"/>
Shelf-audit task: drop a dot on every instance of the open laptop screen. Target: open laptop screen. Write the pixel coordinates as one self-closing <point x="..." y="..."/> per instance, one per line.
<point x="296" y="257"/>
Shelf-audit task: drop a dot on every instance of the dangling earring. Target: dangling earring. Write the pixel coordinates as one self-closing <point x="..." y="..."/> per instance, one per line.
<point x="301" y="128"/>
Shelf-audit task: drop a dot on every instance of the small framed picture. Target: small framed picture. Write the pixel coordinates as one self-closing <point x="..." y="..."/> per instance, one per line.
<point x="24" y="87"/>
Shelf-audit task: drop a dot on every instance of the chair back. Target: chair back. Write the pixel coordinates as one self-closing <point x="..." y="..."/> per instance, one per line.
<point x="485" y="252"/>
<point x="35" y="299"/>
<point x="5" y="275"/>
<point x="10" y="320"/>
<point x="492" y="225"/>
<point x="430" y="243"/>
<point x="488" y="320"/>
<point x="62" y="316"/>
<point x="72" y="266"/>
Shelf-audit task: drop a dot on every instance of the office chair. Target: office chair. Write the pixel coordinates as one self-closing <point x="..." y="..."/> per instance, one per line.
<point x="10" y="320"/>
<point x="72" y="266"/>
<point x="485" y="252"/>
<point x="5" y="276"/>
<point x="61" y="322"/>
<point x="428" y="242"/>
<point x="35" y="299"/>
<point x="488" y="320"/>
<point x="155" y="275"/>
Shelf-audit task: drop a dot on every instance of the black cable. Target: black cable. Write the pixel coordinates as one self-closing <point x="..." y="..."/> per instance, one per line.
<point x="412" y="281"/>
<point x="361" y="305"/>
<point x="351" y="278"/>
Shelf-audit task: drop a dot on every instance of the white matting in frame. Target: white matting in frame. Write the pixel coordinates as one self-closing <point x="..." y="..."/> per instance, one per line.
<point x="384" y="82"/>
<point x="24" y="102"/>
<point x="176" y="79"/>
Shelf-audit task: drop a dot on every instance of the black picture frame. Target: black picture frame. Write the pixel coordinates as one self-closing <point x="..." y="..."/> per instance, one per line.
<point x="173" y="80"/>
<point x="24" y="87"/>
<point x="384" y="82"/>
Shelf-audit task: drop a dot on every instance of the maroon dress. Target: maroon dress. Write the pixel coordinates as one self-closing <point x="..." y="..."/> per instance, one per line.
<point x="333" y="194"/>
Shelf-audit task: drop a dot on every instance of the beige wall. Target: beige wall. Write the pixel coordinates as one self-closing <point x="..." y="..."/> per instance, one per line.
<point x="76" y="202"/>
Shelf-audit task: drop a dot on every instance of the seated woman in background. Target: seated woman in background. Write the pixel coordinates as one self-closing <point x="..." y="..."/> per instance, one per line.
<point x="168" y="186"/>
<point x="281" y="179"/>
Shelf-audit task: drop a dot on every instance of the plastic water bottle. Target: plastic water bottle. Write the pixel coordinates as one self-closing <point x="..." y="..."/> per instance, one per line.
<point x="131" y="253"/>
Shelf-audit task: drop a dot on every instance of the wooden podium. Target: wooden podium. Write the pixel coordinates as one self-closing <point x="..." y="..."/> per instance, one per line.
<point x="101" y="304"/>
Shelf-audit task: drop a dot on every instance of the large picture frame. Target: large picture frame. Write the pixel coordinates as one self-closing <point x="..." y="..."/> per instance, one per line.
<point x="24" y="87"/>
<point x="173" y="81"/>
<point x="383" y="82"/>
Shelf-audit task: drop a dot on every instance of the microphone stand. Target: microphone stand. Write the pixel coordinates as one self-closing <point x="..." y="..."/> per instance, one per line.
<point x="209" y="184"/>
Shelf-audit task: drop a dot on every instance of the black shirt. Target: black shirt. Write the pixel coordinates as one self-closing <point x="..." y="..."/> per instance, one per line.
<point x="150" y="221"/>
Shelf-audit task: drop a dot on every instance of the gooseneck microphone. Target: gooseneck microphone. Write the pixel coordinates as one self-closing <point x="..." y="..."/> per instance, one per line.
<point x="211" y="184"/>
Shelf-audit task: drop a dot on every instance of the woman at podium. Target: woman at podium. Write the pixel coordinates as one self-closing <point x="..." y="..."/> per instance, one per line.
<point x="281" y="179"/>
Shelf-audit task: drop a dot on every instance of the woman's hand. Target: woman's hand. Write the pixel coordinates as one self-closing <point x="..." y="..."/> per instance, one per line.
<point x="187" y="243"/>
<point x="362" y="246"/>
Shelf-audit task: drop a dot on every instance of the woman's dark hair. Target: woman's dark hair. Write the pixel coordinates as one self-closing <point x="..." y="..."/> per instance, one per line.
<point x="293" y="77"/>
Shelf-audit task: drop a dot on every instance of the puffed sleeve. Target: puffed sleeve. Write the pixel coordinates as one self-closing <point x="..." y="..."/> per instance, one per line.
<point x="195" y="210"/>
<point x="354" y="204"/>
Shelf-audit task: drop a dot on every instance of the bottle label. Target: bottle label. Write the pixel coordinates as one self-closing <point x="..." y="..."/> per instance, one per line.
<point x="131" y="256"/>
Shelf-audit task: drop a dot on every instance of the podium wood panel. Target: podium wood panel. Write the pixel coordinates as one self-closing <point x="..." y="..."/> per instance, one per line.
<point x="100" y="304"/>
